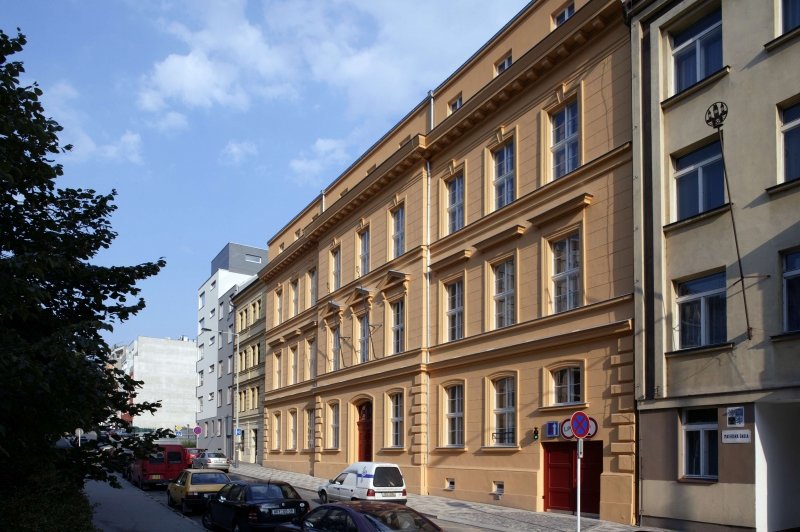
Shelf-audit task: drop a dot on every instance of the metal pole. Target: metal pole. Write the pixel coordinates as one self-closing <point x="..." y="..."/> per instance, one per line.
<point x="580" y="455"/>
<point x="238" y="406"/>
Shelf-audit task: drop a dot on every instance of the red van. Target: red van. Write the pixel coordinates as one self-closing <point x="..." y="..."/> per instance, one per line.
<point x="160" y="467"/>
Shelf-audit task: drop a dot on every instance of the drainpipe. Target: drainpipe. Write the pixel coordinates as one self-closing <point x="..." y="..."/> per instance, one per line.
<point x="322" y="193"/>
<point x="430" y="112"/>
<point x="427" y="269"/>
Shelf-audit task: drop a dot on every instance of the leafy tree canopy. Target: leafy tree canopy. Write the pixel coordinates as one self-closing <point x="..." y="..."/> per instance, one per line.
<point x="55" y="370"/>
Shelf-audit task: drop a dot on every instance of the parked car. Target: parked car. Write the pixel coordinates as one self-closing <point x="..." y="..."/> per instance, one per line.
<point x="258" y="506"/>
<point x="191" y="454"/>
<point x="370" y="481"/>
<point x="159" y="468"/>
<point x="361" y="516"/>
<point x="211" y="460"/>
<point x="193" y="487"/>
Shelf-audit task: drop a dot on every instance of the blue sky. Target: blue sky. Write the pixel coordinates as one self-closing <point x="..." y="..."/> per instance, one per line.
<point x="217" y="121"/>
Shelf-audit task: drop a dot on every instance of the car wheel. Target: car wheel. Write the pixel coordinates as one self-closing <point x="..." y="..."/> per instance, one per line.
<point x="207" y="521"/>
<point x="185" y="509"/>
<point x="169" y="500"/>
<point x="323" y="497"/>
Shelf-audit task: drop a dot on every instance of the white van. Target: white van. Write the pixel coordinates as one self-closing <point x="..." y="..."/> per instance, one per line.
<point x="369" y="481"/>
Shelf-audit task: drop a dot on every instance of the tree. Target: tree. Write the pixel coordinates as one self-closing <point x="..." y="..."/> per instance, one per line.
<point x="55" y="371"/>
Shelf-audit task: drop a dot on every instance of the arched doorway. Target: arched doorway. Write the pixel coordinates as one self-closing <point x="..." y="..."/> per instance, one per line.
<point x="365" y="432"/>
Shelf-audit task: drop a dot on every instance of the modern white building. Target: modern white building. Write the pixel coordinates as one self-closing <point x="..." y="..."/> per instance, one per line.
<point x="234" y="266"/>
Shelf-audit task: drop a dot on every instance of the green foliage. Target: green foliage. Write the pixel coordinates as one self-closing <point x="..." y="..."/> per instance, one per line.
<point x="55" y="372"/>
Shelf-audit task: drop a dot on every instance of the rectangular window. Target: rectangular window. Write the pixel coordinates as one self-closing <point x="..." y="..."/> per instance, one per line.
<point x="334" y="428"/>
<point x="398" y="231"/>
<point x="503" y="159"/>
<point x="564" y="15"/>
<point x="455" y="204"/>
<point x="219" y="369"/>
<point x="396" y="420"/>
<point x="311" y="359"/>
<point x="200" y="378"/>
<point x="701" y="443"/>
<point x="455" y="104"/>
<point x="455" y="416"/>
<point x="505" y="423"/>
<point x="702" y="311"/>
<point x="363" y="238"/>
<point x="336" y="349"/>
<point x="504" y="298"/>
<point x="699" y="181"/>
<point x="230" y="333"/>
<point x="229" y="396"/>
<point x="312" y="286"/>
<point x="363" y="338"/>
<point x="252" y="258"/>
<point x="336" y="268"/>
<point x="201" y="300"/>
<point x="791" y="141"/>
<point x="276" y="431"/>
<point x="278" y="307"/>
<point x="697" y="51"/>
<point x="309" y="428"/>
<point x="566" y="273"/>
<point x="212" y="340"/>
<point x="503" y="65"/>
<point x="295" y="301"/>
<point x="398" y="326"/>
<point x="455" y="310"/>
<point x="791" y="291"/>
<point x="278" y="373"/>
<point x="292" y="430"/>
<point x="790" y="13"/>
<point x="219" y="398"/>
<point x="566" y="386"/>
<point x="230" y="364"/>
<point x="564" y="146"/>
<point x="294" y="365"/>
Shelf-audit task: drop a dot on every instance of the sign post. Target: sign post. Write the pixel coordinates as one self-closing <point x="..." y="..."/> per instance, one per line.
<point x="581" y="426"/>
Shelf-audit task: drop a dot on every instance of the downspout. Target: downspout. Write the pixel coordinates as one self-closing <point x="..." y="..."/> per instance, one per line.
<point x="427" y="270"/>
<point x="322" y="193"/>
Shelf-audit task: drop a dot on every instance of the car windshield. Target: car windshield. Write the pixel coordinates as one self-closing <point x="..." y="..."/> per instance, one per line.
<point x="398" y="519"/>
<point x="210" y="478"/>
<point x="273" y="491"/>
<point x="174" y="457"/>
<point x="388" y="477"/>
<point x="215" y="455"/>
<point x="156" y="457"/>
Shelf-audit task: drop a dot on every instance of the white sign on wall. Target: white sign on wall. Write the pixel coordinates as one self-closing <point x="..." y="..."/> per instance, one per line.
<point x="736" y="436"/>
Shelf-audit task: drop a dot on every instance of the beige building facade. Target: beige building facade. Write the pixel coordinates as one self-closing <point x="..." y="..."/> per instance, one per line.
<point x="452" y="298"/>
<point x="717" y="234"/>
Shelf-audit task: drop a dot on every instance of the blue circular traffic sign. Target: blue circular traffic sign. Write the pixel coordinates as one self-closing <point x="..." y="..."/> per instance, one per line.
<point x="581" y="426"/>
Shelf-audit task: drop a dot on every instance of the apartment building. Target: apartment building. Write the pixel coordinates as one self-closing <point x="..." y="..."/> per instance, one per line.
<point x="233" y="266"/>
<point x="716" y="109"/>
<point x="467" y="284"/>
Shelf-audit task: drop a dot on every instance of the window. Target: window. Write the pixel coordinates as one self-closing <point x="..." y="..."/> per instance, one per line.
<point x="455" y="310"/>
<point x="505" y="422"/>
<point x="336" y="268"/>
<point x="702" y="312"/>
<point x="565" y="140"/>
<point x="230" y="364"/>
<point x="455" y="104"/>
<point x="503" y="158"/>
<point x="278" y="306"/>
<point x="221" y="312"/>
<point x="455" y="415"/>
<point x="276" y="431"/>
<point x="398" y="231"/>
<point x="791" y="139"/>
<point x="201" y="300"/>
<point x="396" y="419"/>
<point x="199" y="404"/>
<point x="292" y="430"/>
<point x="398" y="326"/>
<point x="566" y="386"/>
<point x="566" y="273"/>
<point x="252" y="258"/>
<point x="219" y="427"/>
<point x="212" y="313"/>
<point x="312" y="286"/>
<point x="295" y="300"/>
<point x="311" y="359"/>
<point x="200" y="378"/>
<point x="504" y="300"/>
<point x="700" y="443"/>
<point x="229" y="396"/>
<point x="791" y="291"/>
<point x="212" y="340"/>
<point x="277" y="371"/>
<point x="309" y="428"/>
<point x="336" y="349"/>
<point x="791" y="14"/>
<point x="333" y="435"/>
<point x="697" y="51"/>
<point x="363" y="338"/>
<point x="230" y="334"/>
<point x="293" y="370"/>
<point x="699" y="181"/>
<point x="503" y="65"/>
<point x="564" y="15"/>
<point x="219" y="398"/>
<point x="363" y="238"/>
<point x="455" y="203"/>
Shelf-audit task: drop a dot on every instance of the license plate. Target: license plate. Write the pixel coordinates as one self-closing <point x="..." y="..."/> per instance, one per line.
<point x="283" y="511"/>
<point x="392" y="494"/>
<point x="155" y="477"/>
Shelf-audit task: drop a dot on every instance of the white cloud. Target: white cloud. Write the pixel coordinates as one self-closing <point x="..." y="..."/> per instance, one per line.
<point x="235" y="152"/>
<point x="170" y="121"/>
<point x="325" y="154"/>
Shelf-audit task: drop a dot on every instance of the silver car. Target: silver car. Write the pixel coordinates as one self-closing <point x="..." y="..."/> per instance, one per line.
<point x="211" y="460"/>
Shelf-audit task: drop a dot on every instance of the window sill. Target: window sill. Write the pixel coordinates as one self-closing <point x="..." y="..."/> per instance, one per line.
<point x="451" y="449"/>
<point x="500" y="448"/>
<point x="565" y="406"/>
<point x="714" y="348"/>
<point x="702" y="481"/>
<point x="691" y="220"/>
<point x="697" y="87"/>
<point x="779" y="41"/>
<point x="783" y="187"/>
<point x="330" y="450"/>
<point x="396" y="450"/>
<point x="785" y="337"/>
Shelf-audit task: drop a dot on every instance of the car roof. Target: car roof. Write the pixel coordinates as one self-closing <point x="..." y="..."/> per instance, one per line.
<point x="373" y="505"/>
<point x="204" y="471"/>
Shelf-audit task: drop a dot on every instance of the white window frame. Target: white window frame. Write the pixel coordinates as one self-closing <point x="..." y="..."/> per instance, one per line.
<point x="792" y="127"/>
<point x="454" y="415"/>
<point x="573" y="380"/>
<point x="398" y="326"/>
<point x="703" y="428"/>
<point x="454" y="294"/>
<point x="396" y="419"/>
<point x="363" y="258"/>
<point x="790" y="306"/>
<point x="336" y="348"/>
<point x="504" y="411"/>
<point x="504" y="293"/>
<point x="276" y="431"/>
<point x="503" y="65"/>
<point x="564" y="15"/>
<point x="503" y="182"/>
<point x="398" y="231"/>
<point x="455" y="203"/>
<point x="292" y="446"/>
<point x="703" y="297"/>
<point x="569" y="276"/>
<point x="294" y="288"/>
<point x="294" y="365"/>
<point x="363" y="338"/>
<point x="312" y="286"/>
<point x="696" y="42"/>
<point x="310" y="426"/>
<point x="700" y="167"/>
<point x="562" y="143"/>
<point x="278" y="370"/>
<point x="455" y="104"/>
<point x="333" y="434"/>
<point x="278" y="306"/>
<point x="336" y="267"/>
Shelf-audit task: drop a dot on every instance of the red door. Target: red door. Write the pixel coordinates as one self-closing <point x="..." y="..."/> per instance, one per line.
<point x="561" y="478"/>
<point x="365" y="432"/>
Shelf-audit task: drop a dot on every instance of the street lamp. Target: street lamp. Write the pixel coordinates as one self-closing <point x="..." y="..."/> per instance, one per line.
<point x="236" y="400"/>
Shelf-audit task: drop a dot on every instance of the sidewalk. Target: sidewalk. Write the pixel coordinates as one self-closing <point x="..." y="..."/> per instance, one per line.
<point x="481" y="516"/>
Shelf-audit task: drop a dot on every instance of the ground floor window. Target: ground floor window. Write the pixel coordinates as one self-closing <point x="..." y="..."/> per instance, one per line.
<point x="701" y="443"/>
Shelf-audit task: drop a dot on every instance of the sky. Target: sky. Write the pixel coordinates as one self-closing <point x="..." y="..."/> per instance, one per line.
<point x="218" y="121"/>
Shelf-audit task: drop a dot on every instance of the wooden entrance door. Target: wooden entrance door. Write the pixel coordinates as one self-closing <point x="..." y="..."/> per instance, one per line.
<point x="561" y="476"/>
<point x="365" y="432"/>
